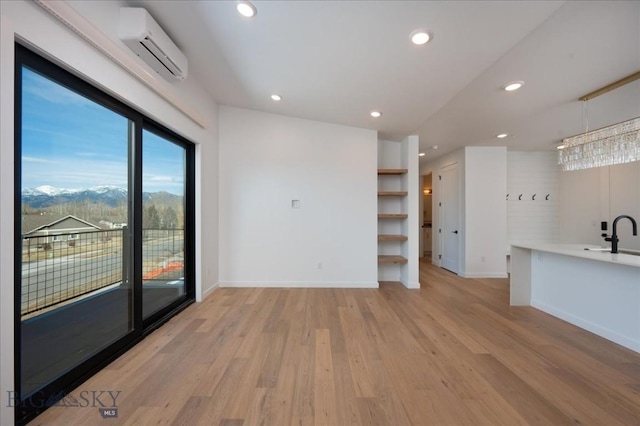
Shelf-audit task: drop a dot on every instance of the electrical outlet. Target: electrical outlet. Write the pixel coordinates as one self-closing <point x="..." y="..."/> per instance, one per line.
<point x="319" y="266"/>
<point x="483" y="259"/>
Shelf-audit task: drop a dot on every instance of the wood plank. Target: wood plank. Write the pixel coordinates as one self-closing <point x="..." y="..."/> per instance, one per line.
<point x="392" y="237"/>
<point x="325" y="404"/>
<point x="392" y="193"/>
<point x="392" y="171"/>
<point x="191" y="411"/>
<point x="383" y="258"/>
<point x="393" y="216"/>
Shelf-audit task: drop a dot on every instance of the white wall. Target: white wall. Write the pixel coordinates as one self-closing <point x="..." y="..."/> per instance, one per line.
<point x="26" y="21"/>
<point x="389" y="155"/>
<point x="533" y="220"/>
<point x="411" y="250"/>
<point x="624" y="198"/>
<point x="485" y="217"/>
<point x="6" y="217"/>
<point x="266" y="161"/>
<point x="601" y="194"/>
<point x="580" y="208"/>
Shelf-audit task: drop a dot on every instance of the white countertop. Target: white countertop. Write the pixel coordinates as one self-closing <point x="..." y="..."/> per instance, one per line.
<point x="578" y="250"/>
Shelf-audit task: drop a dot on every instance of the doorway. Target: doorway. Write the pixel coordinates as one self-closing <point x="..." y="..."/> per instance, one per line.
<point x="427" y="216"/>
<point x="449" y="206"/>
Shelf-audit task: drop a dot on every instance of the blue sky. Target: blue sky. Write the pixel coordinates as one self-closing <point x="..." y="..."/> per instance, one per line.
<point x="71" y="142"/>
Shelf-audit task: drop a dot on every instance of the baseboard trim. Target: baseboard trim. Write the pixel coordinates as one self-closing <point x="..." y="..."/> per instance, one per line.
<point x="412" y="286"/>
<point x="301" y="284"/>
<point x="210" y="290"/>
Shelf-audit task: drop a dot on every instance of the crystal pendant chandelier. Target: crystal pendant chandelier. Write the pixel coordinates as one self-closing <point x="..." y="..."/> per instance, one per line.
<point x="616" y="144"/>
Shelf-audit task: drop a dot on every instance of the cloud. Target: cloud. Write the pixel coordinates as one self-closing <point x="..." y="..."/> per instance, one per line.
<point x="35" y="160"/>
<point x="163" y="179"/>
<point x="67" y="173"/>
<point x="52" y="92"/>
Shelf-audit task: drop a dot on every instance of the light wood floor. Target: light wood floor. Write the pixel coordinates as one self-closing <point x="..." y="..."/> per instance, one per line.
<point x="452" y="353"/>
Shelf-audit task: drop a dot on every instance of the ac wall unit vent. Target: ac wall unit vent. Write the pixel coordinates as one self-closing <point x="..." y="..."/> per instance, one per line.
<point x="142" y="34"/>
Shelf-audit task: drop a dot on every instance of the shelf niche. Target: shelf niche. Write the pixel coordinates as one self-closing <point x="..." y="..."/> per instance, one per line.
<point x="397" y="211"/>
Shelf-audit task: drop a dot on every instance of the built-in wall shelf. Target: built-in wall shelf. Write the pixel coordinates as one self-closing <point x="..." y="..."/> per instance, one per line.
<point x="398" y="202"/>
<point x="391" y="237"/>
<point x="391" y="183"/>
<point x="393" y="216"/>
<point x="392" y="171"/>
<point x="391" y="259"/>
<point x="392" y="193"/>
<point x="397" y="210"/>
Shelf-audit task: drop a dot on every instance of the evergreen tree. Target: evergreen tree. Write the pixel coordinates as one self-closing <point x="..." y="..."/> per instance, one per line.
<point x="152" y="220"/>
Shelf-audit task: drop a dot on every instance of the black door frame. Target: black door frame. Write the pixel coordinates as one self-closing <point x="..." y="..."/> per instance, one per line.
<point x="28" y="407"/>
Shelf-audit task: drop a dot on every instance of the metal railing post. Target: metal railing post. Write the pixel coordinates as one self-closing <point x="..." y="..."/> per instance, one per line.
<point x="125" y="256"/>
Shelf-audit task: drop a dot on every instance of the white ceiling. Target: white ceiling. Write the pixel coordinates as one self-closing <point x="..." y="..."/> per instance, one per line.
<point x="336" y="61"/>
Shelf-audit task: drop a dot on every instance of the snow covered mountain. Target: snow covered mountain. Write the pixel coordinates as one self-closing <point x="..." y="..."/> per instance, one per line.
<point x="48" y="190"/>
<point x="45" y="196"/>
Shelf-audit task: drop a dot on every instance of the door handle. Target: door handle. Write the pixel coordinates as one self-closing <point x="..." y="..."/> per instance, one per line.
<point x="455" y="232"/>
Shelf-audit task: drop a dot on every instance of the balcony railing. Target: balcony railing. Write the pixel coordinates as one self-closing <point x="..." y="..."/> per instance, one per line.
<point x="62" y="268"/>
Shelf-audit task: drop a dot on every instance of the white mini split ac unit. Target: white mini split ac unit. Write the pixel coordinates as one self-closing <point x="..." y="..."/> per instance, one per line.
<point x="142" y="34"/>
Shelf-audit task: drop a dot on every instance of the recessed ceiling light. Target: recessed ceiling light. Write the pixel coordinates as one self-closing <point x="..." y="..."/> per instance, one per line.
<point x="422" y="154"/>
<point x="514" y="85"/>
<point x="502" y="136"/>
<point x="420" y="37"/>
<point x="245" y="8"/>
<point x="435" y="147"/>
<point x="560" y="147"/>
<point x="376" y="114"/>
<point x="276" y="97"/>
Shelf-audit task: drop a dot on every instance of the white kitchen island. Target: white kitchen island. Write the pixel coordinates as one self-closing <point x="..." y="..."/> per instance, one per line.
<point x="597" y="291"/>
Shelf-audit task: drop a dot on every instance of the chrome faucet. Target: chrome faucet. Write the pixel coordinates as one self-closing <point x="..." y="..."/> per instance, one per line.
<point x="614" y="234"/>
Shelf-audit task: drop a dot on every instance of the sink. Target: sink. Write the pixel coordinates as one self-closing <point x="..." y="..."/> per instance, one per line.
<point x="608" y="250"/>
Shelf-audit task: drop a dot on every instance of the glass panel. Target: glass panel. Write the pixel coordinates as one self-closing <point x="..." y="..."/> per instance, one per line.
<point x="75" y="299"/>
<point x="163" y="177"/>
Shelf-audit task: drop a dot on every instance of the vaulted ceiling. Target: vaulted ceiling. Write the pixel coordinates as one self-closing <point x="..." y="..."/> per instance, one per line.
<point x="336" y="61"/>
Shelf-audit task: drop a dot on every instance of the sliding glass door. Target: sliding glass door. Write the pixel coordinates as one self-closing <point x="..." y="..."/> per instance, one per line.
<point x="163" y="225"/>
<point x="75" y="299"/>
<point x="104" y="236"/>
